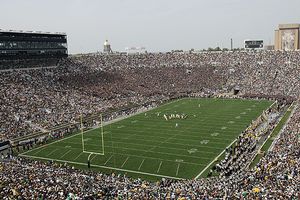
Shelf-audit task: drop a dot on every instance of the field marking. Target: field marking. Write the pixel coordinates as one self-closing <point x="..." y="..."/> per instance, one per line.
<point x="214" y="134"/>
<point x="193" y="150"/>
<point x="193" y="126"/>
<point x="203" y="142"/>
<point x="38" y="151"/>
<point x="141" y="164"/>
<point x="94" y="157"/>
<point x="66" y="153"/>
<point x="131" y="155"/>
<point x="188" y="138"/>
<point x="108" y="159"/>
<point x="78" y="156"/>
<point x="51" y="152"/>
<point x="125" y="161"/>
<point x="159" y="166"/>
<point x="105" y="167"/>
<point x="177" y="169"/>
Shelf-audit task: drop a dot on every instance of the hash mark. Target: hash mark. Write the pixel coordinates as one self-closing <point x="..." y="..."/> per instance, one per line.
<point x="65" y="153"/>
<point x="159" y="166"/>
<point x="124" y="162"/>
<point x="141" y="164"/>
<point x="78" y="156"/>
<point x="177" y="169"/>
<point x="108" y="159"/>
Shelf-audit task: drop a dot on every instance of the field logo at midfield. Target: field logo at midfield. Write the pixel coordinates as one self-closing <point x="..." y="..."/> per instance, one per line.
<point x="214" y="134"/>
<point x="204" y="142"/>
<point x="192" y="151"/>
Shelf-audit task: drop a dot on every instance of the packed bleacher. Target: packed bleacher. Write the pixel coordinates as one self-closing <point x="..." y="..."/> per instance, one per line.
<point x="38" y="99"/>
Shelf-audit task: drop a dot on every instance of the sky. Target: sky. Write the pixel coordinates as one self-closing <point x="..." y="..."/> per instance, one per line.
<point x="158" y="25"/>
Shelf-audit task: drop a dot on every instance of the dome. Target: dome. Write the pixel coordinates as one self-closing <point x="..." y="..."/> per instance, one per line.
<point x="106" y="43"/>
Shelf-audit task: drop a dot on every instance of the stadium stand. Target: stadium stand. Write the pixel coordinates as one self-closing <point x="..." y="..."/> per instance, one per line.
<point x="35" y="100"/>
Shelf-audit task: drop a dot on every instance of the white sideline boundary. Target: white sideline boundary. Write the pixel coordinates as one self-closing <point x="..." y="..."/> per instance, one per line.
<point x="105" y="167"/>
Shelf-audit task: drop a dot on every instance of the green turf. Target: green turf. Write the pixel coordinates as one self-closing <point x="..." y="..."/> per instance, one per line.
<point x="146" y="145"/>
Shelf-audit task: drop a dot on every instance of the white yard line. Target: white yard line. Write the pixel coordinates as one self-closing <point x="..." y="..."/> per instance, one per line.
<point x="108" y="159"/>
<point x="78" y="156"/>
<point x="159" y="166"/>
<point x="141" y="164"/>
<point x="101" y="166"/>
<point x="125" y="162"/>
<point x="175" y="143"/>
<point x="93" y="157"/>
<point x="51" y="152"/>
<point x="38" y="152"/>
<point x="177" y="169"/>
<point x="65" y="153"/>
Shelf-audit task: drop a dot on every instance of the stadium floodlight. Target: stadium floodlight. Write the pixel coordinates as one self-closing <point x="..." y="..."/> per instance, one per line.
<point x="83" y="133"/>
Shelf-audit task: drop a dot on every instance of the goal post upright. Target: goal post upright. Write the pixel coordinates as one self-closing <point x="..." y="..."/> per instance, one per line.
<point x="81" y="127"/>
<point x="101" y="138"/>
<point x="102" y="134"/>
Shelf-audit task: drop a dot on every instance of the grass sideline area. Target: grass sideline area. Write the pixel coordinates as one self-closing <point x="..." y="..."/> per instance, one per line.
<point x="149" y="146"/>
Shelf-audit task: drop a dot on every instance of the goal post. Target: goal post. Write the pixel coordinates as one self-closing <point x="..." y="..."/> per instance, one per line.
<point x="92" y="140"/>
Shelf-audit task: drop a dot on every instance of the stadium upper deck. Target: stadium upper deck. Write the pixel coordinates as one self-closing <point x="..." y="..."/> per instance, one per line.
<point x="20" y="44"/>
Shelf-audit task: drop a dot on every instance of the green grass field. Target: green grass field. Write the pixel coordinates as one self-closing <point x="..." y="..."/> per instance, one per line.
<point x="148" y="145"/>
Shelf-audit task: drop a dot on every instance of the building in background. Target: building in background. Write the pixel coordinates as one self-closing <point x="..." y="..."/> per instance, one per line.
<point x="287" y="37"/>
<point x="106" y="47"/>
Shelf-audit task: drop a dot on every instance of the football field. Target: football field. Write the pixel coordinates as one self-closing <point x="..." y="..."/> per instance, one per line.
<point x="176" y="140"/>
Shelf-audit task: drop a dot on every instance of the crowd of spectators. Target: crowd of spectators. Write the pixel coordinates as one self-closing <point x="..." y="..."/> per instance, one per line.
<point x="38" y="99"/>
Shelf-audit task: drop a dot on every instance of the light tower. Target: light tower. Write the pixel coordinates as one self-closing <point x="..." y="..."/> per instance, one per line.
<point x="106" y="47"/>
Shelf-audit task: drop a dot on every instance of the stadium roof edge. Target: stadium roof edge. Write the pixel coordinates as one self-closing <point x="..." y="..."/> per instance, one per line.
<point x="32" y="32"/>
